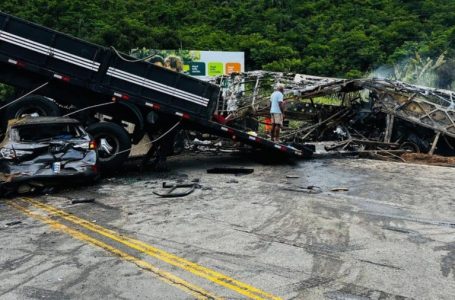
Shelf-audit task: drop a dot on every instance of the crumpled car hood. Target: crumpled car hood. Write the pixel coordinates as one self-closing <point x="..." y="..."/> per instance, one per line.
<point x="47" y="160"/>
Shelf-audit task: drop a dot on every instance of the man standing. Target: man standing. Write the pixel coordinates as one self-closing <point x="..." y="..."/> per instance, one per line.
<point x="277" y="112"/>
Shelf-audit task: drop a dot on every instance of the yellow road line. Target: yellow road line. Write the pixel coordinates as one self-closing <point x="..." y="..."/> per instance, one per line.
<point x="211" y="275"/>
<point x="169" y="278"/>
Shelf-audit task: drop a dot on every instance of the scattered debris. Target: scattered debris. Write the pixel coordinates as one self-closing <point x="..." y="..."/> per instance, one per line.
<point x="88" y="200"/>
<point x="13" y="223"/>
<point x="292" y="176"/>
<point x="170" y="193"/>
<point x="230" y="171"/>
<point x="309" y="189"/>
<point x="340" y="189"/>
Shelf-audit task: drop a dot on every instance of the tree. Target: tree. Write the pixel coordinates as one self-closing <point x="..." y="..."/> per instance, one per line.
<point x="321" y="37"/>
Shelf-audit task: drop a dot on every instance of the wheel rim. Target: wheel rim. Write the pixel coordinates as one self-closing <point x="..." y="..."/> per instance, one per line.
<point x="108" y="147"/>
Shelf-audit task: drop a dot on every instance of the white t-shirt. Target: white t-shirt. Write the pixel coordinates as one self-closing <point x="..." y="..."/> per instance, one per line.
<point x="276" y="98"/>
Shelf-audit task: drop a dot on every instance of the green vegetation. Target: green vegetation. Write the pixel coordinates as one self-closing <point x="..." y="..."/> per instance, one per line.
<point x="320" y="37"/>
<point x="5" y="92"/>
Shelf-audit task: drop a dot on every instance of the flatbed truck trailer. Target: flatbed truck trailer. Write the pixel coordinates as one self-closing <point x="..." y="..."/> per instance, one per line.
<point x="77" y="74"/>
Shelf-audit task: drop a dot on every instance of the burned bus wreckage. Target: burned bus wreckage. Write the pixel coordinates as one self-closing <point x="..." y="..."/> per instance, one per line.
<point x="375" y="117"/>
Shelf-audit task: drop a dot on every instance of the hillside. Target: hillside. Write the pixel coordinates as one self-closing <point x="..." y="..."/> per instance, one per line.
<point x="321" y="37"/>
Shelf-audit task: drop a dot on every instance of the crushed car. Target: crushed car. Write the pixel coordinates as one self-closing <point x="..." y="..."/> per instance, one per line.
<point x="41" y="152"/>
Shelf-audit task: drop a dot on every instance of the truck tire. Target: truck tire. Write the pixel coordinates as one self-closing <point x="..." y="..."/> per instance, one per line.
<point x="113" y="142"/>
<point x="33" y="104"/>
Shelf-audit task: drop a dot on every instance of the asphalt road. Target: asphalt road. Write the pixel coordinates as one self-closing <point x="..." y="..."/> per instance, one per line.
<point x="388" y="233"/>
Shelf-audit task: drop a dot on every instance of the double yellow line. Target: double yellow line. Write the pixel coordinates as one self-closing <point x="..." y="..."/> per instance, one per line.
<point x="169" y="278"/>
<point x="198" y="270"/>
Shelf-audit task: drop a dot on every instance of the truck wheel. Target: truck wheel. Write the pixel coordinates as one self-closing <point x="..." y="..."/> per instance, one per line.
<point x="34" y="105"/>
<point x="31" y="105"/>
<point x="113" y="143"/>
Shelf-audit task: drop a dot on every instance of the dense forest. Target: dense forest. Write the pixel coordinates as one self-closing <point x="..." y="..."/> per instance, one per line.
<point x="320" y="37"/>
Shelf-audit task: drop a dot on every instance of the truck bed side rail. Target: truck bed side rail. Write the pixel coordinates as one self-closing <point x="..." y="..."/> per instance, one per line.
<point x="100" y="69"/>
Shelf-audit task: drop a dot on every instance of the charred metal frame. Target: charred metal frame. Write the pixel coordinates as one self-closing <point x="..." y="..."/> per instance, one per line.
<point x="423" y="107"/>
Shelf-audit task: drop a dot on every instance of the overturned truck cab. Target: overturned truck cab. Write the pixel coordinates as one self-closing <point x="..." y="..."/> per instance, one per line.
<point x="39" y="152"/>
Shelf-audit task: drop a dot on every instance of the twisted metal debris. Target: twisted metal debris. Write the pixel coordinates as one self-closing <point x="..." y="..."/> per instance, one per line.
<point x="358" y="114"/>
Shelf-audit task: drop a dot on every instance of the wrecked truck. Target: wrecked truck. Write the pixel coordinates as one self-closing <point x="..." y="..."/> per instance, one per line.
<point x="117" y="98"/>
<point x="43" y="151"/>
